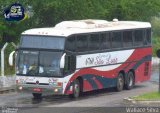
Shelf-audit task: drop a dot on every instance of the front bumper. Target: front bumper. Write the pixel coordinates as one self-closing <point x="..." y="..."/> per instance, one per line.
<point x="41" y="89"/>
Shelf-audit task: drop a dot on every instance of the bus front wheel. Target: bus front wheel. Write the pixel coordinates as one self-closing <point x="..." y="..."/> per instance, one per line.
<point x="76" y="89"/>
<point x="120" y="82"/>
<point x="37" y="95"/>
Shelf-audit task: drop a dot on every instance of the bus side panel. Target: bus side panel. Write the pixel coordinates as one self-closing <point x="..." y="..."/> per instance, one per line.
<point x="142" y="73"/>
<point x="105" y="76"/>
<point x="93" y="79"/>
<point x="86" y="86"/>
<point x="93" y="82"/>
<point x="143" y="64"/>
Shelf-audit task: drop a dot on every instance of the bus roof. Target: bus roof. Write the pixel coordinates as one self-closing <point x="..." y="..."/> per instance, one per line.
<point x="67" y="28"/>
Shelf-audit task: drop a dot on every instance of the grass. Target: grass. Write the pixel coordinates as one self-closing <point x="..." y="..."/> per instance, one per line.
<point x="148" y="96"/>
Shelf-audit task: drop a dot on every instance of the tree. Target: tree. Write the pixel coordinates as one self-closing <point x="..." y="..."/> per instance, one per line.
<point x="46" y="13"/>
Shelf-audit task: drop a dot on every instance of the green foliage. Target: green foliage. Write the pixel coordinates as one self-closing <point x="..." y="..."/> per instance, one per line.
<point x="49" y="12"/>
<point x="156" y="34"/>
<point x="155" y="44"/>
<point x="155" y="21"/>
<point x="141" y="10"/>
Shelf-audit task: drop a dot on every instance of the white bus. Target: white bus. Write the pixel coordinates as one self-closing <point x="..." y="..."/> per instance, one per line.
<point x="83" y="55"/>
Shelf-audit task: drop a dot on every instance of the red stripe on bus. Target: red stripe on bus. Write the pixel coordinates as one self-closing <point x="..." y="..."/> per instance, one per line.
<point x="86" y="86"/>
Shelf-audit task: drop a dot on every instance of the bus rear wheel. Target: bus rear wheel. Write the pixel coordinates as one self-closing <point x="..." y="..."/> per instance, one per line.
<point x="37" y="95"/>
<point x="76" y="89"/>
<point x="130" y="81"/>
<point x="120" y="82"/>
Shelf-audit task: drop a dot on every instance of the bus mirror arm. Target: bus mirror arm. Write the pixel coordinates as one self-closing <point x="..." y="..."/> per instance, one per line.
<point x="10" y="60"/>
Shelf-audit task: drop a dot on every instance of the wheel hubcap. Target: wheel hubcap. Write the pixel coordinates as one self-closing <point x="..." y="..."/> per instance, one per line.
<point x="130" y="81"/>
<point x="120" y="82"/>
<point x="76" y="89"/>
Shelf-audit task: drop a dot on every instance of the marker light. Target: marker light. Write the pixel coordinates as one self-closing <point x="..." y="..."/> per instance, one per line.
<point x="59" y="84"/>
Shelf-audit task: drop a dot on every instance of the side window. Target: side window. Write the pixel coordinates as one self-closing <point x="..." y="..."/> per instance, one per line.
<point x="138" y="38"/>
<point x="105" y="41"/>
<point x="93" y="43"/>
<point x="144" y="37"/>
<point x="127" y="39"/>
<point x="148" y="36"/>
<point x="70" y="43"/>
<point x="70" y="64"/>
<point x="116" y="40"/>
<point x="82" y="43"/>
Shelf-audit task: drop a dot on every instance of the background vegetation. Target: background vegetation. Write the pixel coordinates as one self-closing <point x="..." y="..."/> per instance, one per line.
<point x="46" y="13"/>
<point x="151" y="96"/>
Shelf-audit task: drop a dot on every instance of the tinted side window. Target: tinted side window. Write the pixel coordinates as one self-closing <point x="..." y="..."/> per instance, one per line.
<point x="105" y="41"/>
<point x="82" y="43"/>
<point x="138" y="38"/>
<point x="145" y="37"/>
<point x="148" y="36"/>
<point x="70" y="43"/>
<point x="127" y="39"/>
<point x="93" y="43"/>
<point x="116" y="40"/>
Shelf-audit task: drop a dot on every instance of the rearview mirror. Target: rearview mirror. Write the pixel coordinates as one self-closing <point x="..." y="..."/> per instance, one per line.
<point x="11" y="58"/>
<point x="62" y="61"/>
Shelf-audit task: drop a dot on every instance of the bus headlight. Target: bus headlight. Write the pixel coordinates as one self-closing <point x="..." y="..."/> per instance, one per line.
<point x="20" y="88"/>
<point x="56" y="90"/>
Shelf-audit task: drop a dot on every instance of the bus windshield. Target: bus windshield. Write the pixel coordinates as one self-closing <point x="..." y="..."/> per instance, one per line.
<point x="38" y="63"/>
<point x="42" y="42"/>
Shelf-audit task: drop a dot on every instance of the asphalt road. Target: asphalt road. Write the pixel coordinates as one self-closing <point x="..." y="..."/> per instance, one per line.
<point x="95" y="101"/>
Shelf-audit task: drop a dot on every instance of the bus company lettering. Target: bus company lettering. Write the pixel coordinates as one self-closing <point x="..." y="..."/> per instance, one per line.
<point x="105" y="59"/>
<point x="89" y="61"/>
<point x="30" y="79"/>
<point x="101" y="59"/>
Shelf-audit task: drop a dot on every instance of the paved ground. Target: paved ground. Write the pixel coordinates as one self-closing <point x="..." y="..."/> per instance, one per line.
<point x="103" y="98"/>
<point x="89" y="102"/>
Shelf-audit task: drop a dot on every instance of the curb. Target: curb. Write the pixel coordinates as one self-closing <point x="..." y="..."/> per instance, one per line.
<point x="143" y="102"/>
<point x="7" y="90"/>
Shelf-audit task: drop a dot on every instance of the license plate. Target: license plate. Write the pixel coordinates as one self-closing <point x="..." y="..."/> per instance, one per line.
<point x="37" y="89"/>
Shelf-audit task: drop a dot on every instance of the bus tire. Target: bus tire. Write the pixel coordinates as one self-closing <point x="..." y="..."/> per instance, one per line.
<point x="76" y="89"/>
<point x="120" y="82"/>
<point x="130" y="80"/>
<point x="37" y="95"/>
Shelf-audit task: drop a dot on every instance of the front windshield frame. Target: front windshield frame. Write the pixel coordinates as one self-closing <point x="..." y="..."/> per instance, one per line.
<point x="39" y="65"/>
